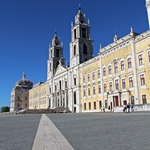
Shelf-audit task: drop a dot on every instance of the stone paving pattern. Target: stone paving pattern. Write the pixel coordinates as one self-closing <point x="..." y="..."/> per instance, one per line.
<point x="17" y="132"/>
<point x="105" y="131"/>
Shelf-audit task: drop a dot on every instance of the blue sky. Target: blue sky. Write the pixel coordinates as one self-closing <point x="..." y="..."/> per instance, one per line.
<point x="27" y="27"/>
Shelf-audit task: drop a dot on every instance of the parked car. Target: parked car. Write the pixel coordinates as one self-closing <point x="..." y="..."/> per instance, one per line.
<point x="62" y="111"/>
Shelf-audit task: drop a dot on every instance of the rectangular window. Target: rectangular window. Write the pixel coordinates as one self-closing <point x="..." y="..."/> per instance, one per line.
<point x="93" y="74"/>
<point x="94" y="105"/>
<point x="149" y="56"/>
<point x="18" y="98"/>
<point x="99" y="89"/>
<point x="98" y="73"/>
<point x="109" y="70"/>
<point x="83" y="79"/>
<point x="55" y="87"/>
<point x="142" y="78"/>
<point x="83" y="33"/>
<point x="84" y="106"/>
<point x="130" y="82"/>
<point x="57" y="52"/>
<point x="88" y="91"/>
<point x="93" y="90"/>
<point x="115" y="66"/>
<point x="110" y="86"/>
<point x="123" y="84"/>
<point x="122" y="65"/>
<point x="84" y="92"/>
<point x="65" y="84"/>
<point x="74" y="81"/>
<point x="117" y="84"/>
<point x="49" y="90"/>
<point x="144" y="99"/>
<point x="129" y="63"/>
<point x="105" y="88"/>
<point x="140" y="59"/>
<point x="89" y="105"/>
<point x="104" y="71"/>
<point x="88" y="77"/>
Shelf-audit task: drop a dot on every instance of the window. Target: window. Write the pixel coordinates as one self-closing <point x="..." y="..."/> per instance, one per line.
<point x="26" y="98"/>
<point x="84" y="106"/>
<point x="88" y="91"/>
<point x="144" y="99"/>
<point x="74" y="49"/>
<point x="142" y="78"/>
<point x="123" y="84"/>
<point x="83" y="33"/>
<point x="104" y="71"/>
<point x="18" y="105"/>
<point x="117" y="84"/>
<point x="130" y="82"/>
<point x="84" y="92"/>
<point x="129" y="63"/>
<point x="115" y="67"/>
<point x="93" y="90"/>
<point x="74" y="81"/>
<point x="98" y="73"/>
<point x="109" y="70"/>
<point x="60" y="85"/>
<point x="110" y="86"/>
<point x="84" y="49"/>
<point x="65" y="84"/>
<point x="149" y="56"/>
<point x="75" y="98"/>
<point x="55" y="87"/>
<point x="88" y="77"/>
<point x="140" y="59"/>
<point x="89" y="105"/>
<point x="83" y="79"/>
<point x="94" y="105"/>
<point x="25" y="104"/>
<point x="93" y="74"/>
<point x="18" y="98"/>
<point x="75" y="34"/>
<point x="122" y="65"/>
<point x="99" y="89"/>
<point x="57" y="52"/>
<point x="105" y="88"/>
<point x="51" y="53"/>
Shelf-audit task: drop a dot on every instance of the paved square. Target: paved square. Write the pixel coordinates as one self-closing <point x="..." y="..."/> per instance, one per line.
<point x="105" y="131"/>
<point x="17" y="132"/>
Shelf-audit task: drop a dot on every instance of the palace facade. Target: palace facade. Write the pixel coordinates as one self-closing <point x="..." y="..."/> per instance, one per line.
<point x="117" y="76"/>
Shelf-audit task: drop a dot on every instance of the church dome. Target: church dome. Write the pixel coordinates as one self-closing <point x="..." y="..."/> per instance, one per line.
<point x="24" y="83"/>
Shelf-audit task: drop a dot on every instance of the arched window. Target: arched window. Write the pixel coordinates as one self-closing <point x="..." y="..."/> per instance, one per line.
<point x="84" y="49"/>
<point x="74" y="49"/>
<point x="74" y="97"/>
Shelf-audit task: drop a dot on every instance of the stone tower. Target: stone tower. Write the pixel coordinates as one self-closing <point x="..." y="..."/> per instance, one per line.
<point x="55" y="56"/>
<point x="81" y="46"/>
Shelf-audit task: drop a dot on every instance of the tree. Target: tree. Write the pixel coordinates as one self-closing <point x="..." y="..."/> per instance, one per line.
<point x="5" y="109"/>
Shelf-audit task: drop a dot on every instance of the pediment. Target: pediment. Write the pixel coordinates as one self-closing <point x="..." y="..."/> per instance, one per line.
<point x="60" y="69"/>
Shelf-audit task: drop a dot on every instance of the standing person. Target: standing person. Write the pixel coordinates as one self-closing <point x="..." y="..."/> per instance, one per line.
<point x="103" y="108"/>
<point x="132" y="108"/>
<point x="124" y="108"/>
<point x="128" y="107"/>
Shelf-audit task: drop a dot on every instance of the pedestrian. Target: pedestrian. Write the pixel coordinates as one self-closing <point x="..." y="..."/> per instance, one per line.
<point x="128" y="107"/>
<point x="124" y="108"/>
<point x="103" y="108"/>
<point x="132" y="108"/>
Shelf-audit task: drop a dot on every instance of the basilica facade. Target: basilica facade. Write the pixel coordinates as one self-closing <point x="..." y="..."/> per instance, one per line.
<point x="117" y="76"/>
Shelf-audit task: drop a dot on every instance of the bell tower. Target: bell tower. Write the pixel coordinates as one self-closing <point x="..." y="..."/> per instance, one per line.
<point x="81" y="46"/>
<point x="55" y="56"/>
<point x="148" y="11"/>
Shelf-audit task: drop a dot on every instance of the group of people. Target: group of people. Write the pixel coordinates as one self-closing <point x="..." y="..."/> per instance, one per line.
<point x="128" y="108"/>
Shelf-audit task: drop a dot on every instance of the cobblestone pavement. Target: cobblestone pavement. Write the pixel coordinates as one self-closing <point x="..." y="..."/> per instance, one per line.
<point x="17" y="132"/>
<point x="105" y="131"/>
